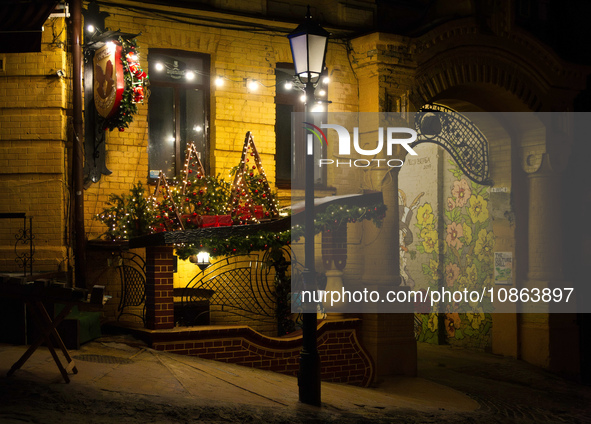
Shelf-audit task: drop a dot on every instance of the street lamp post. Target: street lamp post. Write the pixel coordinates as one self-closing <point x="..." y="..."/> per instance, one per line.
<point x="308" y="47"/>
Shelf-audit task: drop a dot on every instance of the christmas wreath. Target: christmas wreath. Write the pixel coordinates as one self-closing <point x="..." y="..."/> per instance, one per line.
<point x="135" y="81"/>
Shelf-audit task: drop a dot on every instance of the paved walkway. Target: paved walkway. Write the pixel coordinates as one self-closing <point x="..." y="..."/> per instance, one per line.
<point x="119" y="379"/>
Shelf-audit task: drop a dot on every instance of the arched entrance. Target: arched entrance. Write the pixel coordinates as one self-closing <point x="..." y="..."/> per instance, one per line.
<point x="528" y="153"/>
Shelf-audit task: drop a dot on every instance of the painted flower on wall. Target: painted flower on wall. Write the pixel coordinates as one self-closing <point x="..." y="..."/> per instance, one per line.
<point x="462" y="283"/>
<point x="466" y="248"/>
<point x="484" y="245"/>
<point x="461" y="192"/>
<point x="430" y="241"/>
<point x="425" y="215"/>
<point x="434" y="267"/>
<point x="451" y="203"/>
<point x="467" y="231"/>
<point x="478" y="209"/>
<point x="452" y="322"/>
<point x="452" y="272"/>
<point x="454" y="232"/>
<point x="472" y="276"/>
<point x="476" y="318"/>
<point x="433" y="323"/>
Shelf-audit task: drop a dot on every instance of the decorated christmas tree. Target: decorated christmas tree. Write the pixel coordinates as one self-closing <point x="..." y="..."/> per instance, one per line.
<point x="127" y="215"/>
<point x="251" y="197"/>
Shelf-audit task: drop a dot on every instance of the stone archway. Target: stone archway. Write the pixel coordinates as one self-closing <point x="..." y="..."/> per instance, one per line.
<point x="467" y="68"/>
<point x="537" y="153"/>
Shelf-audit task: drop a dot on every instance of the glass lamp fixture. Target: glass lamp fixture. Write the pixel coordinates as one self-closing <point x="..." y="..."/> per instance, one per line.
<point x="203" y="260"/>
<point x="308" y="47"/>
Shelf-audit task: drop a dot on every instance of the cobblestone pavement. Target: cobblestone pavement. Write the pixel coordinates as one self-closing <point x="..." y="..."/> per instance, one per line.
<point x="120" y="380"/>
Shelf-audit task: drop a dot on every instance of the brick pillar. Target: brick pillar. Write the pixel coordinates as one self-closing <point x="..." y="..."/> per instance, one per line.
<point x="159" y="287"/>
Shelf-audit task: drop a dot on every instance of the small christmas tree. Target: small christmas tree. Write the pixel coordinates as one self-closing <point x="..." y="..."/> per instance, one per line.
<point x="128" y="215"/>
<point x="166" y="212"/>
<point x="251" y="197"/>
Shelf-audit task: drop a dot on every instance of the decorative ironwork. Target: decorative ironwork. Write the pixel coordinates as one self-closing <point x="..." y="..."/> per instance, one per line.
<point x="23" y="237"/>
<point x="132" y="270"/>
<point x="458" y="136"/>
<point x="239" y="284"/>
<point x="246" y="285"/>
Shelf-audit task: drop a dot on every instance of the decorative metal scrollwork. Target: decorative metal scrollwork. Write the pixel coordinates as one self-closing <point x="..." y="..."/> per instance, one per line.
<point x="25" y="237"/>
<point x="458" y="136"/>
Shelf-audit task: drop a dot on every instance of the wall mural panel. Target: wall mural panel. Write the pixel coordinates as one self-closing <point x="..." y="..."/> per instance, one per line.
<point x="446" y="241"/>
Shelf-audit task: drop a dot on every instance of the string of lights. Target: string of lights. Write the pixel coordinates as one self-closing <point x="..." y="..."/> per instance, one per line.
<point x="252" y="84"/>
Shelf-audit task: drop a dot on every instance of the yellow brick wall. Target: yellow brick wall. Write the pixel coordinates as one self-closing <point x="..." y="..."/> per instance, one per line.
<point x="234" y="110"/>
<point x="36" y="132"/>
<point x="33" y="144"/>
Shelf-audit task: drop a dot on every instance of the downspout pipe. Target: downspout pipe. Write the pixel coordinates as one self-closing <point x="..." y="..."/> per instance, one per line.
<point x="78" y="148"/>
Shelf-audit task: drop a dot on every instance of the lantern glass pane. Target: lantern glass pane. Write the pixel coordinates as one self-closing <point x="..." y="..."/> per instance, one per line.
<point x="317" y="45"/>
<point x="299" y="52"/>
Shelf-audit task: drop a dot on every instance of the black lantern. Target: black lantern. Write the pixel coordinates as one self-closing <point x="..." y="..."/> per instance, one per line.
<point x="308" y="47"/>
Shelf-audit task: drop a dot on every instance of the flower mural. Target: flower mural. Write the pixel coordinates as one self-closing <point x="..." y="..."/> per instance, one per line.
<point x="478" y="209"/>
<point x="452" y="272"/>
<point x="425" y="216"/>
<point x="484" y="245"/>
<point x="465" y="246"/>
<point x="461" y="193"/>
<point x="454" y="232"/>
<point x="452" y="322"/>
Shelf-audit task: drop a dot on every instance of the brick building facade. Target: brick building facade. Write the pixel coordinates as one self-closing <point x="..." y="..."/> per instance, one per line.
<point x="466" y="57"/>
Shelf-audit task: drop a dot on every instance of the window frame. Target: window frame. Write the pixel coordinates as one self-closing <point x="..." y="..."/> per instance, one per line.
<point x="177" y="88"/>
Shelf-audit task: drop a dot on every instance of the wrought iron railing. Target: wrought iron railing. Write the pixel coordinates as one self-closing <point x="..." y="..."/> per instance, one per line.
<point x="24" y="237"/>
<point x="132" y="271"/>
<point x="254" y="287"/>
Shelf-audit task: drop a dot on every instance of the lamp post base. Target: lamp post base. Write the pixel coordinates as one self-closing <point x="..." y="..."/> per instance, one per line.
<point x="309" y="374"/>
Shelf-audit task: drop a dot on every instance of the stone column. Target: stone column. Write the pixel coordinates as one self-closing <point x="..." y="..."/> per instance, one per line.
<point x="389" y="337"/>
<point x="334" y="260"/>
<point x="544" y="224"/>
<point x="547" y="339"/>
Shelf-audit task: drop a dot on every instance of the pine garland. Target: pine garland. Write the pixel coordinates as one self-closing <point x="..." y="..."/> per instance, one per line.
<point x="133" y="215"/>
<point x="329" y="220"/>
